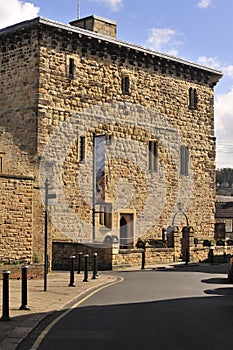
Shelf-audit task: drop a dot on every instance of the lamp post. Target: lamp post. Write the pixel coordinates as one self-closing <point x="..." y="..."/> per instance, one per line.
<point x="47" y="197"/>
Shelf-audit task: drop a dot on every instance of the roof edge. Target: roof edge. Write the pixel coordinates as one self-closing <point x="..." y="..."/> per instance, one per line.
<point x="70" y="28"/>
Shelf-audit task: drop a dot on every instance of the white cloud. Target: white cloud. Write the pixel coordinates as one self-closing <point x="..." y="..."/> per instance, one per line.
<point x="204" y="3"/>
<point x="223" y="115"/>
<point x="228" y="71"/>
<point x="224" y="129"/>
<point x="212" y="62"/>
<point x="15" y="11"/>
<point x="113" y="5"/>
<point x="164" y="40"/>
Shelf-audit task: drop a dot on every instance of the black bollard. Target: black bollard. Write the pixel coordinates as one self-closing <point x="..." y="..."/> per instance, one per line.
<point x="5" y="299"/>
<point x="79" y="262"/>
<point x="211" y="255"/>
<point x="86" y="268"/>
<point x="72" y="271"/>
<point x="24" y="305"/>
<point x="95" y="273"/>
<point x="143" y="259"/>
<point x="186" y="256"/>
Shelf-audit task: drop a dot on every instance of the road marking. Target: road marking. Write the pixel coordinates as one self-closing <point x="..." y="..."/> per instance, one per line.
<point x="56" y="320"/>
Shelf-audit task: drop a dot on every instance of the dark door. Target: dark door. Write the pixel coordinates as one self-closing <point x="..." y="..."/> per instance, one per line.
<point x="126" y="231"/>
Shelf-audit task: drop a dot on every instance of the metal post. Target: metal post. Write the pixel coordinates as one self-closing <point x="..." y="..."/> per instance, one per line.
<point x="78" y="9"/>
<point x="143" y="259"/>
<point x="95" y="273"/>
<point x="72" y="271"/>
<point x="94" y="190"/>
<point x="86" y="268"/>
<point x="46" y="235"/>
<point x="5" y="299"/>
<point x="24" y="305"/>
<point x="186" y="256"/>
<point x="79" y="262"/>
<point x="211" y="255"/>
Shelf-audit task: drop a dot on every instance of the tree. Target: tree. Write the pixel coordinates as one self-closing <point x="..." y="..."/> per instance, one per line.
<point x="224" y="175"/>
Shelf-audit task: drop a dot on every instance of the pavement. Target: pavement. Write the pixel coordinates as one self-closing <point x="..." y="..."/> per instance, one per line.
<point x="58" y="296"/>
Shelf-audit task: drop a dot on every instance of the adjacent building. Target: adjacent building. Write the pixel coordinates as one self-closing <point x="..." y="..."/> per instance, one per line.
<point x="224" y="217"/>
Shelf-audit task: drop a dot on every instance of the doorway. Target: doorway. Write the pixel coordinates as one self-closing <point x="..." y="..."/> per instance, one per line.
<point x="126" y="231"/>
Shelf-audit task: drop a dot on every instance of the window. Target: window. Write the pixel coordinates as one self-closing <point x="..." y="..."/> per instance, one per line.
<point x="2" y="162"/>
<point x="228" y="225"/>
<point x="105" y="217"/>
<point x="184" y="160"/>
<point x="193" y="99"/>
<point x="82" y="148"/>
<point x="125" y="85"/>
<point x="153" y="155"/>
<point x="71" y="68"/>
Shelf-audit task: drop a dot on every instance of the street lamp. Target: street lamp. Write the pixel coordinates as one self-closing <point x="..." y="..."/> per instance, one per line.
<point x="47" y="197"/>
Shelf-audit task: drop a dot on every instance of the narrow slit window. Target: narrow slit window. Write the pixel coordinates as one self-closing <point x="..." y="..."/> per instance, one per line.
<point x="153" y="155"/>
<point x="125" y="85"/>
<point x="184" y="160"/>
<point x="71" y="68"/>
<point x="193" y="99"/>
<point x="82" y="146"/>
<point x="1" y="165"/>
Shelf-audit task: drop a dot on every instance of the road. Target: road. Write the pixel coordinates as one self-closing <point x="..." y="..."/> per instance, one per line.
<point x="186" y="307"/>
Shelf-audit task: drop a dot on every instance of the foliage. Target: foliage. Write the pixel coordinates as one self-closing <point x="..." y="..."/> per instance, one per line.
<point x="224" y="175"/>
<point x="35" y="259"/>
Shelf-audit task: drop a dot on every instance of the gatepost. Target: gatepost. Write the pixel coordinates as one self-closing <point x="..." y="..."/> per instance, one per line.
<point x="187" y="245"/>
<point x="191" y="243"/>
<point x="177" y="244"/>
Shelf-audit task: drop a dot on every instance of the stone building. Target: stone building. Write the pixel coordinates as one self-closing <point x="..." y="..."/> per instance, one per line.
<point x="150" y="117"/>
<point x="224" y="217"/>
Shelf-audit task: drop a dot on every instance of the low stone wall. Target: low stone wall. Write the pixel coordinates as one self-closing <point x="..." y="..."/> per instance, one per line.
<point x="62" y="251"/>
<point x="159" y="256"/>
<point x="219" y="254"/>
<point x="109" y="257"/>
<point x="128" y="258"/>
<point x="34" y="271"/>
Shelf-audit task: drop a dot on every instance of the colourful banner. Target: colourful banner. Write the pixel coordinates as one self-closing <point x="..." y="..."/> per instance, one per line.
<point x="99" y="166"/>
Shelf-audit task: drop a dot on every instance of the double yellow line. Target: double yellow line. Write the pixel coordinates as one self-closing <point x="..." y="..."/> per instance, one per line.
<point x="56" y="320"/>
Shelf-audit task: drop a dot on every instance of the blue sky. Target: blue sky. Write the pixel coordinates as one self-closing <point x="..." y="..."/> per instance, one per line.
<point x="196" y="30"/>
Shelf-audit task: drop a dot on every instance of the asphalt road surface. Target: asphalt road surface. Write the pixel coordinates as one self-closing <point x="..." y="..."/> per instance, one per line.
<point x="186" y="307"/>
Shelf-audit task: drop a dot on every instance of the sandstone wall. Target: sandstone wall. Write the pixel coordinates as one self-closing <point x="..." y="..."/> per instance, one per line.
<point x="38" y="96"/>
<point x="156" y="108"/>
<point x="62" y="251"/>
<point x="16" y="234"/>
<point x="19" y="57"/>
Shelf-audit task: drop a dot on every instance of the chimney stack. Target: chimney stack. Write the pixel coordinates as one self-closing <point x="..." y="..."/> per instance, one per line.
<point x="97" y="24"/>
